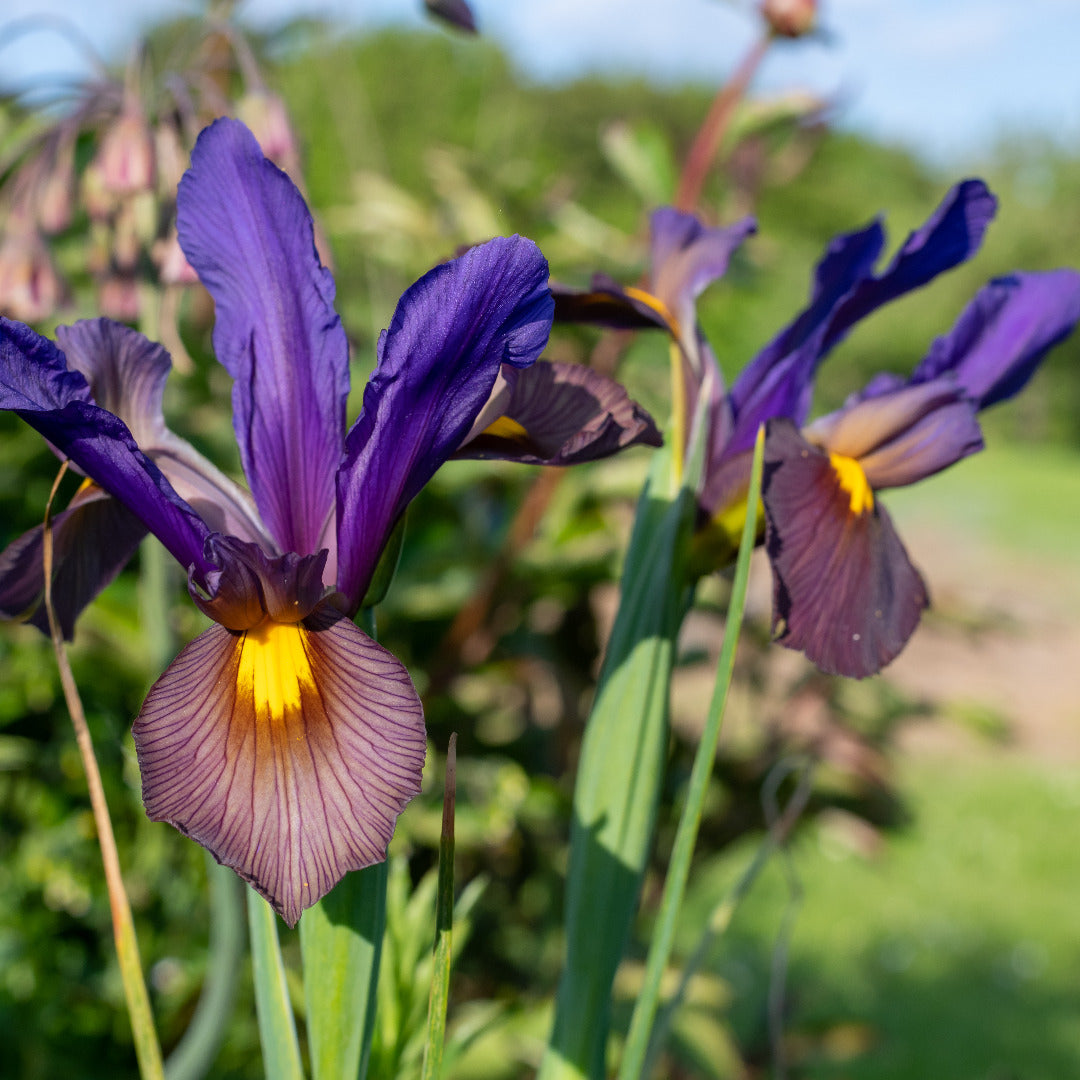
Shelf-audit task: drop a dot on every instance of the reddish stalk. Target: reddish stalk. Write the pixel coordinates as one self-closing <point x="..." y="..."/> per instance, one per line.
<point x="147" y="1049"/>
<point x="715" y="126"/>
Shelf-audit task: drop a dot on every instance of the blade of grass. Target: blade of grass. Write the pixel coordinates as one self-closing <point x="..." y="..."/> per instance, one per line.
<point x="147" y="1049"/>
<point x="641" y="1023"/>
<point x="444" y="926"/>
<point x="277" y="1027"/>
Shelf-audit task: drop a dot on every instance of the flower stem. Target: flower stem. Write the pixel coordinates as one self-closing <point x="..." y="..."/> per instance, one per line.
<point x="147" y="1050"/>
<point x="637" y="1041"/>
<point x="715" y="126"/>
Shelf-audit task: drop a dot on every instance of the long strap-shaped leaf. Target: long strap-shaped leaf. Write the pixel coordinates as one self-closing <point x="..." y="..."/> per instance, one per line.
<point x="444" y="927"/>
<point x="341" y="939"/>
<point x="637" y="1041"/>
<point x="619" y="776"/>
<point x="277" y="1028"/>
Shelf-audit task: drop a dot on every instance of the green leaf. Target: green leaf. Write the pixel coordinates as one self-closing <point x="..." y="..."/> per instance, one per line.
<point x="277" y="1028"/>
<point x="341" y="943"/>
<point x="620" y="774"/>
<point x="444" y="927"/>
<point x="637" y="1040"/>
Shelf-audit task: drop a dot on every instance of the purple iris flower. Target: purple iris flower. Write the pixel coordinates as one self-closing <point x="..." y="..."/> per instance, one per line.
<point x="845" y="591"/>
<point x="283" y="738"/>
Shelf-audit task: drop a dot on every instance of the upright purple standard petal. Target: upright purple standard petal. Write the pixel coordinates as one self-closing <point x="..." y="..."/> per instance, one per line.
<point x="998" y="341"/>
<point x="37" y="385"/>
<point x="777" y="383"/>
<point x="287" y="751"/>
<point x="245" y="229"/>
<point x="127" y="374"/>
<point x="438" y="362"/>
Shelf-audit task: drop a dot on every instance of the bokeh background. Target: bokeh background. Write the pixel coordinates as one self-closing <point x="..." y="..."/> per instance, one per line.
<point x="923" y="922"/>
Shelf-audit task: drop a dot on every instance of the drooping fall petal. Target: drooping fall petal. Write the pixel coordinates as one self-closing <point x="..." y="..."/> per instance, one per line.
<point x="245" y="229"/>
<point x="844" y="590"/>
<point x="93" y="539"/>
<point x="287" y="751"/>
<point x="559" y="414"/>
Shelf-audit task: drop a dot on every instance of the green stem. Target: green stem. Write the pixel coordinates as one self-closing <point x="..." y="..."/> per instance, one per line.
<point x="637" y="1041"/>
<point x="444" y="925"/>
<point x="196" y="1051"/>
<point x="147" y="1049"/>
<point x="277" y="1028"/>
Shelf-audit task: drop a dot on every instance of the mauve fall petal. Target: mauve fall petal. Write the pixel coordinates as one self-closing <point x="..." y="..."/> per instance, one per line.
<point x="93" y="539"/>
<point x="558" y="414"/>
<point x="287" y="751"/>
<point x="844" y="590"/>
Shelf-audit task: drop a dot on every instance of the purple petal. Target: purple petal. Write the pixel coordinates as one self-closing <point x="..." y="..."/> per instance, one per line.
<point x="287" y="751"/>
<point x="36" y="384"/>
<point x="951" y="236"/>
<point x="998" y="341"/>
<point x="905" y="435"/>
<point x="778" y="382"/>
<point x="438" y="362"/>
<point x="844" y="589"/>
<point x="686" y="256"/>
<point x="127" y="374"/>
<point x="251" y="585"/>
<point x="558" y="414"/>
<point x="245" y="229"/>
<point x="454" y="12"/>
<point x="93" y="539"/>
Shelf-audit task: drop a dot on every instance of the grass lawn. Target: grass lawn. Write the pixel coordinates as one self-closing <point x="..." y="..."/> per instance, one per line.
<point x="953" y="953"/>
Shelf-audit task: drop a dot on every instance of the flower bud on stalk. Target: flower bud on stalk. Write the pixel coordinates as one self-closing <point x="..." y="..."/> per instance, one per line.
<point x="790" y="18"/>
<point x="126" y="156"/>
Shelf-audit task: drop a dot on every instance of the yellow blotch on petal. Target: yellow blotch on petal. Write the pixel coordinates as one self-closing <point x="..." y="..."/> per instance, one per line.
<point x="274" y="664"/>
<point x="505" y="428"/>
<point x="853" y="480"/>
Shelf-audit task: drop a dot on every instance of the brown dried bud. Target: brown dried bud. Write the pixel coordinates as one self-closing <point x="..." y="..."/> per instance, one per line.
<point x="126" y="155"/>
<point x="30" y="288"/>
<point x="172" y="159"/>
<point x="790" y="18"/>
<point x="56" y="196"/>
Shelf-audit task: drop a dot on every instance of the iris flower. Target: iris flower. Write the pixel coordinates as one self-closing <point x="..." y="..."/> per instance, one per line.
<point x="283" y="738"/>
<point x="844" y="591"/>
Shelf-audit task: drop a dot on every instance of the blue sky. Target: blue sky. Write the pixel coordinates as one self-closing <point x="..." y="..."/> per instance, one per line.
<point x="946" y="77"/>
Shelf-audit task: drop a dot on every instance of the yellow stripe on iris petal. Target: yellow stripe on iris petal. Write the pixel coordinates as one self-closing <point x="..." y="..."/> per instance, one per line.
<point x="657" y="305"/>
<point x="274" y="664"/>
<point x="853" y="480"/>
<point x="505" y="428"/>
